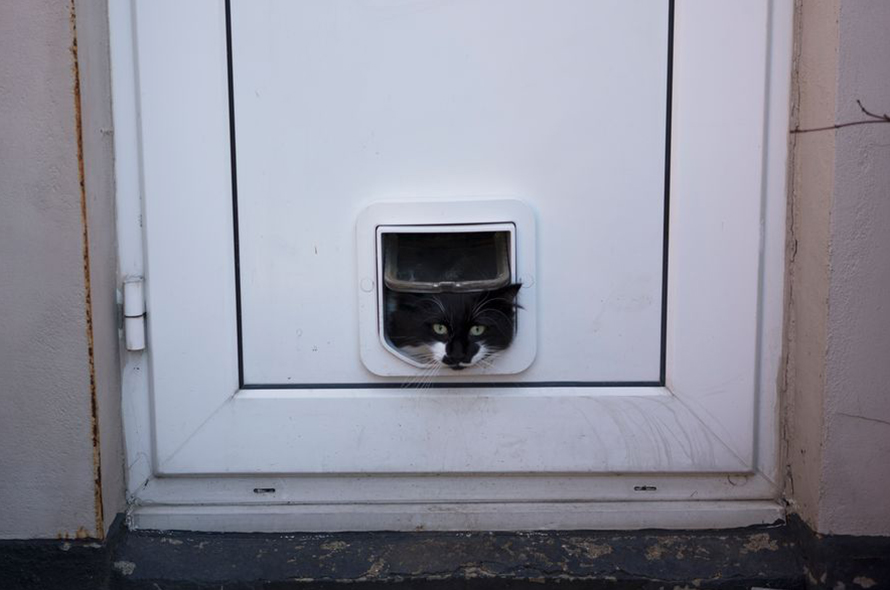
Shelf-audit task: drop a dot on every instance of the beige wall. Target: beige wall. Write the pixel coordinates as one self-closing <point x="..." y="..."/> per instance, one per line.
<point x="856" y="452"/>
<point x="838" y="396"/>
<point x="97" y="134"/>
<point x="49" y="450"/>
<point x="812" y="179"/>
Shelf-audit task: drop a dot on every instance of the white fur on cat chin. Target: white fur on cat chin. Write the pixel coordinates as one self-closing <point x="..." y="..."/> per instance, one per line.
<point x="436" y="351"/>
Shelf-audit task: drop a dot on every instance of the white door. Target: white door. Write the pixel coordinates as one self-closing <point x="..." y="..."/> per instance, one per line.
<point x="633" y="151"/>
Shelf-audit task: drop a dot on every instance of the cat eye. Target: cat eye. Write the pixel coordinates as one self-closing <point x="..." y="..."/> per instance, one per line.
<point x="477" y="330"/>
<point x="440" y="329"/>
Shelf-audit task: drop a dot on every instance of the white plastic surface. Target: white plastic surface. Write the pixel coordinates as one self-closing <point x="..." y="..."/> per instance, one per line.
<point x="134" y="314"/>
<point x="702" y="422"/>
<point x="342" y="104"/>
<point x="134" y="297"/>
<point x="134" y="330"/>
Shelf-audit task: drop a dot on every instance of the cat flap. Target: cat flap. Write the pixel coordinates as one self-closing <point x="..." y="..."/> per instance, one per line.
<point x="446" y="261"/>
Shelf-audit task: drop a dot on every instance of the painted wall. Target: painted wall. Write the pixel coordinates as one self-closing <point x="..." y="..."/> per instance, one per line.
<point x="49" y="390"/>
<point x="856" y="443"/>
<point x="812" y="179"/>
<point x="838" y="371"/>
<point x="46" y="450"/>
<point x="97" y="135"/>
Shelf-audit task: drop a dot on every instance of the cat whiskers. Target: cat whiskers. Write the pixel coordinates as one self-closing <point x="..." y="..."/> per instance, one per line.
<point x="487" y="361"/>
<point x="428" y="372"/>
<point x="425" y="379"/>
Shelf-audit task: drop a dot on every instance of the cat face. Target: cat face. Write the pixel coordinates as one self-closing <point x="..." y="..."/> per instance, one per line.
<point x="459" y="330"/>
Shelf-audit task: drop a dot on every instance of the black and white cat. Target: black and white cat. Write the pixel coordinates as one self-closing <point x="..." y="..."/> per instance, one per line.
<point x="458" y="330"/>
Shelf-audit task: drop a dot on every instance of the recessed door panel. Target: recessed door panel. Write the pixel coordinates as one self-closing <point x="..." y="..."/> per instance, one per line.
<point x="341" y="104"/>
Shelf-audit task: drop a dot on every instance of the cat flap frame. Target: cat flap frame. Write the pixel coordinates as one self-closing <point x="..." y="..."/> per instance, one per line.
<point x="446" y="276"/>
<point x="503" y="215"/>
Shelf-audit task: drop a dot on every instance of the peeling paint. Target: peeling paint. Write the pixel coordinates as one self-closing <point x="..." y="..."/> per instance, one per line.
<point x="587" y="548"/>
<point x="759" y="542"/>
<point x="598" y="560"/>
<point x="478" y="571"/>
<point x="667" y="546"/>
<point x="654" y="552"/>
<point x="375" y="568"/>
<point x="864" y="581"/>
<point x="125" y="567"/>
<point x="615" y="560"/>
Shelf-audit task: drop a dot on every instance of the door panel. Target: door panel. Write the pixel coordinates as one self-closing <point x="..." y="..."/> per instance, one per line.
<point x="342" y="104"/>
<point x="700" y="420"/>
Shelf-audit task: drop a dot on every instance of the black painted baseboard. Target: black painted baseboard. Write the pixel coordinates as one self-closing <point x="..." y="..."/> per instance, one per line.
<point x="789" y="556"/>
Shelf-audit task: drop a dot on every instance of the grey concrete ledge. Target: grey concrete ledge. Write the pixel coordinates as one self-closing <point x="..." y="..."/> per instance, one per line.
<point x="788" y="556"/>
<point x="468" y="560"/>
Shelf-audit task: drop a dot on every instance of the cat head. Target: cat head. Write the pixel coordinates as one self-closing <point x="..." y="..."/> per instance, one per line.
<point x="458" y="330"/>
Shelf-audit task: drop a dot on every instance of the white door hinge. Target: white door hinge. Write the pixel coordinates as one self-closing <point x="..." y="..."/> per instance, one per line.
<point x="134" y="313"/>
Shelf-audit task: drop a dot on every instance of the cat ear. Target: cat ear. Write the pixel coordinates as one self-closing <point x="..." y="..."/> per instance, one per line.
<point x="509" y="292"/>
<point x="505" y="296"/>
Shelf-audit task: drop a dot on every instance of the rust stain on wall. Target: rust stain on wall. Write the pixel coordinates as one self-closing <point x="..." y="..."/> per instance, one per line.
<point x="80" y="534"/>
<point x="88" y="303"/>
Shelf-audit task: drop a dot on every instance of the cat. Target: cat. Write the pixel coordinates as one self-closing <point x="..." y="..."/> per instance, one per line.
<point x="457" y="330"/>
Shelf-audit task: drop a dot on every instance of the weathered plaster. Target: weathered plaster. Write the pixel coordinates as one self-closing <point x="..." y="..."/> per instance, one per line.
<point x="811" y="188"/>
<point x="856" y="451"/>
<point x="98" y="158"/>
<point x="88" y="293"/>
<point x="46" y="450"/>
<point x="837" y="420"/>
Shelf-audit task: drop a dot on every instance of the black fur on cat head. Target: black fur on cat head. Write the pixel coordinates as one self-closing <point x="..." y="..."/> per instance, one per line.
<point x="456" y="329"/>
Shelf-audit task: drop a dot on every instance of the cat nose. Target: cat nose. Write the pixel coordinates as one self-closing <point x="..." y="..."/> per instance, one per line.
<point x="454" y="353"/>
<point x="452" y="363"/>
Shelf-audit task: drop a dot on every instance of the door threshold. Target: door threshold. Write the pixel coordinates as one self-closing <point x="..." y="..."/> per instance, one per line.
<point x="466" y="516"/>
